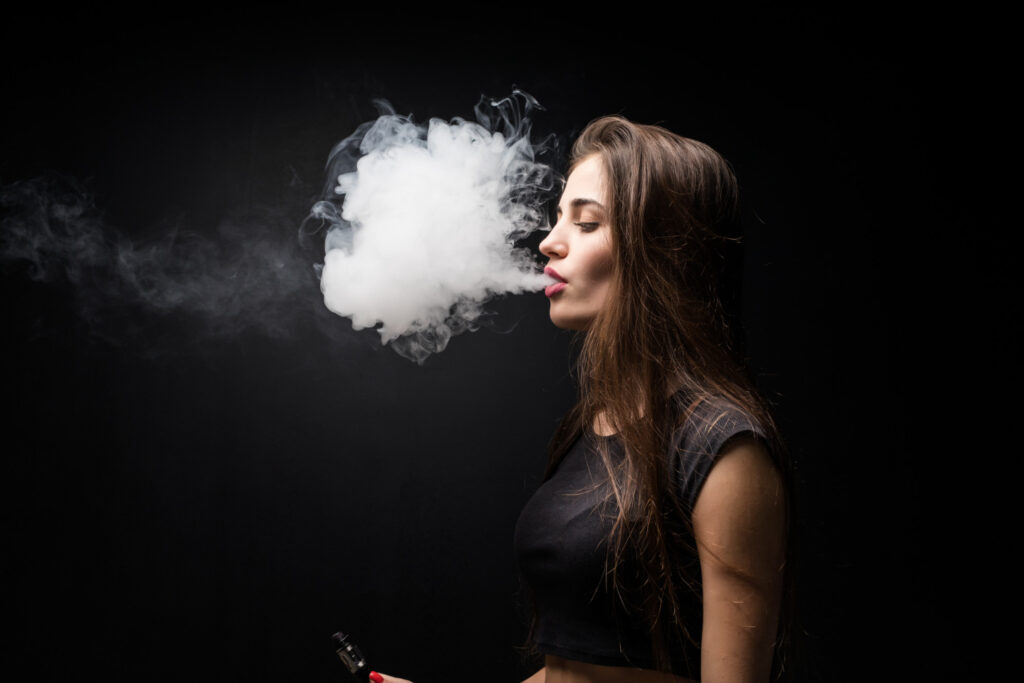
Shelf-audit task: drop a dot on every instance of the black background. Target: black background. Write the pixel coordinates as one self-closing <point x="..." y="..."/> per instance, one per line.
<point x="180" y="505"/>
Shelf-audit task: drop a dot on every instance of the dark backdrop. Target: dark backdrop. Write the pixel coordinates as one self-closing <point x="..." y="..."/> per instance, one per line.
<point x="189" y="503"/>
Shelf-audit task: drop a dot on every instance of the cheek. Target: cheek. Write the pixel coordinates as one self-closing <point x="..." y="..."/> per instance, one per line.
<point x="600" y="266"/>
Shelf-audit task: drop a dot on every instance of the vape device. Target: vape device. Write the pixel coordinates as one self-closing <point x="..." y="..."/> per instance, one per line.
<point x="350" y="656"/>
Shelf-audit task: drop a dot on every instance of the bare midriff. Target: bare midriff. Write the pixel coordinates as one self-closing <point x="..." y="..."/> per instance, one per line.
<point x="559" y="670"/>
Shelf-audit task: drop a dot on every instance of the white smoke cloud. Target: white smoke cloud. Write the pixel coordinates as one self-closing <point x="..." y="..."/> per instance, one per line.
<point x="423" y="222"/>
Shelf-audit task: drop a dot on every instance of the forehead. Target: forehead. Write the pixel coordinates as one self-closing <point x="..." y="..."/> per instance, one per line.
<point x="587" y="181"/>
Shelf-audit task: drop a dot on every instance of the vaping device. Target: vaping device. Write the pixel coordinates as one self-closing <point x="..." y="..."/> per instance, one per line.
<point x="351" y="657"/>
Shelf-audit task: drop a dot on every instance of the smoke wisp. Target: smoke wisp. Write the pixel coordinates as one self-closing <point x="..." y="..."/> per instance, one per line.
<point x="249" y="274"/>
<point x="422" y="222"/>
<point x="419" y="225"/>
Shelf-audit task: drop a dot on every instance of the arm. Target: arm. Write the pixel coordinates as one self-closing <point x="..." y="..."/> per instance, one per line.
<point x="740" y="525"/>
<point x="537" y="677"/>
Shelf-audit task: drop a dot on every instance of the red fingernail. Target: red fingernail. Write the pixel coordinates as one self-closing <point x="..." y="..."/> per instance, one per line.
<point x="376" y="677"/>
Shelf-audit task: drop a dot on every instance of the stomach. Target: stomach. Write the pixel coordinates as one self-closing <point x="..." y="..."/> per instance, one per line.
<point x="560" y="670"/>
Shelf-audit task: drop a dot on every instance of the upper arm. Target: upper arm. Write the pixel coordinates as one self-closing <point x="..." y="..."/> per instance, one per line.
<point x="739" y="522"/>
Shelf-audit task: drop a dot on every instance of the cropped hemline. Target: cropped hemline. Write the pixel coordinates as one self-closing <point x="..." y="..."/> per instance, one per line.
<point x="616" y="659"/>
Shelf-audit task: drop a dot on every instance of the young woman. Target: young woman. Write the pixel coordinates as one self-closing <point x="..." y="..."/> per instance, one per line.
<point x="655" y="549"/>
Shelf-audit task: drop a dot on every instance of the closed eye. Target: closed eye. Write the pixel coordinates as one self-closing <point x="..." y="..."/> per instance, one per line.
<point x="588" y="227"/>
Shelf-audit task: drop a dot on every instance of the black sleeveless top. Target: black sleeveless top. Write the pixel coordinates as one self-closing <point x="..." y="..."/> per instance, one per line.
<point x="561" y="543"/>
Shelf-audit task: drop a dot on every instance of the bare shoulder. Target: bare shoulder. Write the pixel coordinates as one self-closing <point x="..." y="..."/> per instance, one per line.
<point x="744" y="474"/>
<point x="740" y="515"/>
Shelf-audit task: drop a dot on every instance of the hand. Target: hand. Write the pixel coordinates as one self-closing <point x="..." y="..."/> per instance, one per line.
<point x="384" y="678"/>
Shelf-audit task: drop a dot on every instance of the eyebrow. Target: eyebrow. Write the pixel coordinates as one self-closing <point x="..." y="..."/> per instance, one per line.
<point x="583" y="201"/>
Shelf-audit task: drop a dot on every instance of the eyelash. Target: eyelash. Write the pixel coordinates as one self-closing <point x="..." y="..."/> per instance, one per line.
<point x="588" y="227"/>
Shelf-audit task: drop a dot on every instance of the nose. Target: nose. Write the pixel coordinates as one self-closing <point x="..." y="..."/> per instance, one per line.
<point x="554" y="246"/>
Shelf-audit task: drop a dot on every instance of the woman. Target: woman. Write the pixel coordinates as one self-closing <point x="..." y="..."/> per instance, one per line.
<point x="655" y="549"/>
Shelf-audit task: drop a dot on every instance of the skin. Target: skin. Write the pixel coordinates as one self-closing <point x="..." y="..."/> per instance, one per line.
<point x="739" y="517"/>
<point x="579" y="247"/>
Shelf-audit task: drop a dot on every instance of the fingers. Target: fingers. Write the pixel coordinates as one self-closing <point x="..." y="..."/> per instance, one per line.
<point x="384" y="678"/>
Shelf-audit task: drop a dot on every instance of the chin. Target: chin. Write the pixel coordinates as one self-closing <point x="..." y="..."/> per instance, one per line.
<point x="570" y="323"/>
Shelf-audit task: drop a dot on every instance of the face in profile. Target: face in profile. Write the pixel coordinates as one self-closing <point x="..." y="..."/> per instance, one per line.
<point x="579" y="248"/>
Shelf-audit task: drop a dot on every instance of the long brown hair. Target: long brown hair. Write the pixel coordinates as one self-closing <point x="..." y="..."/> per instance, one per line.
<point x="662" y="333"/>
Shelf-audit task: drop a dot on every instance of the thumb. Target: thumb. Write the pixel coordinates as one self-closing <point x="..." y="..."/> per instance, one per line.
<point x="384" y="678"/>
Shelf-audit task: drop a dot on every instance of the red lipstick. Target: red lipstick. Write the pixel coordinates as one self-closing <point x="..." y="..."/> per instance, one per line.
<point x="551" y="290"/>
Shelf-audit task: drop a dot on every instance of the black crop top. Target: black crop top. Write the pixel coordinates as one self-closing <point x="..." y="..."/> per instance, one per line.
<point x="561" y="544"/>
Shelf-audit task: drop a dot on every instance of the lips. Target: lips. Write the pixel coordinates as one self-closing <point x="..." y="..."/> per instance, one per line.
<point x="551" y="272"/>
<point x="551" y="290"/>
